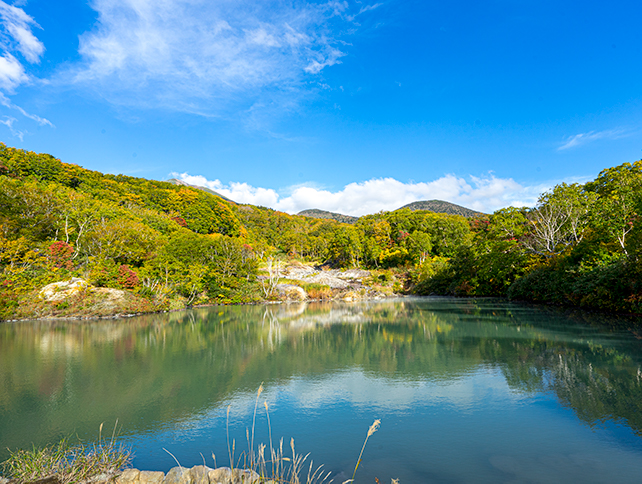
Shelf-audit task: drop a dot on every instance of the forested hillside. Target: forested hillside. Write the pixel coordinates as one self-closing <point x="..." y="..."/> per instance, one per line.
<point x="171" y="245"/>
<point x="339" y="217"/>
<point x="440" y="206"/>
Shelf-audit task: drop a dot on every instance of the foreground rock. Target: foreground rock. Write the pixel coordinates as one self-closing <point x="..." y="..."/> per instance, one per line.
<point x="176" y="475"/>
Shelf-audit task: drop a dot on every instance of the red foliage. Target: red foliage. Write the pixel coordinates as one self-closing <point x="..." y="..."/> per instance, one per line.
<point x="60" y="255"/>
<point x="127" y="278"/>
<point x="180" y="221"/>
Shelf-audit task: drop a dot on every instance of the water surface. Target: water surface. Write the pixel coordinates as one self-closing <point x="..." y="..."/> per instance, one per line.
<point x="467" y="390"/>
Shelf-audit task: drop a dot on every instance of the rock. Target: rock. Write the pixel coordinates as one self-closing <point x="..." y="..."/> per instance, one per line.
<point x="105" y="478"/>
<point x="44" y="480"/>
<point x="150" y="477"/>
<point x="177" y="475"/>
<point x="353" y="274"/>
<point x="222" y="475"/>
<point x="128" y="476"/>
<point x="199" y="475"/>
<point x="58" y="291"/>
<point x="245" y="476"/>
<point x="299" y="271"/>
<point x="292" y="292"/>
<point x="328" y="280"/>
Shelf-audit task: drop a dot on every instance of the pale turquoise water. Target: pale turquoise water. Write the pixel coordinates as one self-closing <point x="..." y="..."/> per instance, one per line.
<point x="466" y="390"/>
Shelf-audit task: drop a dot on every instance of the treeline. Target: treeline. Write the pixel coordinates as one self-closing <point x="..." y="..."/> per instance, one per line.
<point x="580" y="245"/>
<point x="176" y="245"/>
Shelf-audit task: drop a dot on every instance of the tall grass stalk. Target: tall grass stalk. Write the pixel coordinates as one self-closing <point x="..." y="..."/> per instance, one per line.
<point x="277" y="466"/>
<point x="373" y="428"/>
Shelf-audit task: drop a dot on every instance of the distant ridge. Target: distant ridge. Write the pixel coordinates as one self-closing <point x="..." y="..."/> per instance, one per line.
<point x="176" y="181"/>
<point x="439" y="206"/>
<point x="315" y="213"/>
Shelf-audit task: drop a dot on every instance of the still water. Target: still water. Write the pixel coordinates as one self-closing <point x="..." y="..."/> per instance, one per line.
<point x="479" y="391"/>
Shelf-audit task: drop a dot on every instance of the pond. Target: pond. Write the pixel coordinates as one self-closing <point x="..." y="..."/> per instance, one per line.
<point x="467" y="390"/>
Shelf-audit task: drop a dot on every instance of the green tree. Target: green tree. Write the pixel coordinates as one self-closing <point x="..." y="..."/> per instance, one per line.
<point x="345" y="246"/>
<point x="619" y="205"/>
<point x="559" y="220"/>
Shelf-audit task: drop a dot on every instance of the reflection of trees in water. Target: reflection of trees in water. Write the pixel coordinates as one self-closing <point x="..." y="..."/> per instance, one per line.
<point x="59" y="377"/>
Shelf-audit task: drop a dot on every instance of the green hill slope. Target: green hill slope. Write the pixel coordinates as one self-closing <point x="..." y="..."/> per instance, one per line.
<point x="339" y="217"/>
<point x="439" y="206"/>
<point x="176" y="181"/>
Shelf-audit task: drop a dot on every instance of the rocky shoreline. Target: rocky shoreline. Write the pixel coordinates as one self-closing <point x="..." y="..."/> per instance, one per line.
<point x="297" y="282"/>
<point x="178" y="475"/>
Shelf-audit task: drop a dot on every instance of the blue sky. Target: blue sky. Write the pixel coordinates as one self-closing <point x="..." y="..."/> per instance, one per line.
<point x="349" y="106"/>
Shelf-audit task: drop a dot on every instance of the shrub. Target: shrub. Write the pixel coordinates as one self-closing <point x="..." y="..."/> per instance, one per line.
<point x="127" y="278"/>
<point x="318" y="291"/>
<point x="60" y="254"/>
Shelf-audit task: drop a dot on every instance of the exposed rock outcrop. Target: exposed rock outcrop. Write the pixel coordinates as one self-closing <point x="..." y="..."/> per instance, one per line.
<point x="59" y="291"/>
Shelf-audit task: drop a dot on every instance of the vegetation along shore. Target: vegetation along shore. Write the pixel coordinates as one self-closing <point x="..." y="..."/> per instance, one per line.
<point x="79" y="243"/>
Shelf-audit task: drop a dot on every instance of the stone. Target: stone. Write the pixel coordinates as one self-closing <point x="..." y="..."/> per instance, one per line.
<point x="221" y="475"/>
<point x="58" y="291"/>
<point x="199" y="475"/>
<point x="292" y="292"/>
<point x="328" y="279"/>
<point x="245" y="476"/>
<point x="353" y="274"/>
<point x="45" y="480"/>
<point x="104" y="478"/>
<point x="151" y="477"/>
<point x="177" y="475"/>
<point x="128" y="476"/>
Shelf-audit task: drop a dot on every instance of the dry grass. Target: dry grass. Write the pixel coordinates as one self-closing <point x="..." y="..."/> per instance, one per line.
<point x="68" y="463"/>
<point x="318" y="291"/>
<point x="274" y="465"/>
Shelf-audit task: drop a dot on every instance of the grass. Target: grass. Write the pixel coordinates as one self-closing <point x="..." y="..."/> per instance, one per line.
<point x="68" y="463"/>
<point x="273" y="465"/>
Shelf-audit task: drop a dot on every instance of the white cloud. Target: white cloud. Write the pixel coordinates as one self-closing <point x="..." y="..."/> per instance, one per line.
<point x="583" y="138"/>
<point x="206" y="56"/>
<point x="4" y="100"/>
<point x="17" y="33"/>
<point x="485" y="194"/>
<point x="12" y="74"/>
<point x="17" y="38"/>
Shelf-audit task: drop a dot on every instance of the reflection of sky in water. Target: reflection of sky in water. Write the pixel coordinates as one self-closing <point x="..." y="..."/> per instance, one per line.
<point x="467" y="391"/>
<point x="473" y="428"/>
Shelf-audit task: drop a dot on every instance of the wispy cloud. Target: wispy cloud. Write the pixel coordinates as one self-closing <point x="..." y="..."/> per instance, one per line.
<point x="9" y="122"/>
<point x="584" y="138"/>
<point x="17" y="38"/>
<point x="6" y="102"/>
<point x="17" y="34"/>
<point x="486" y="194"/>
<point x="203" y="57"/>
